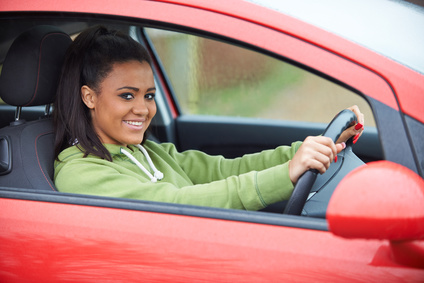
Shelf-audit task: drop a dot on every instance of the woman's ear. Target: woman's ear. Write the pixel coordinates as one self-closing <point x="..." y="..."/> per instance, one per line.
<point x="88" y="96"/>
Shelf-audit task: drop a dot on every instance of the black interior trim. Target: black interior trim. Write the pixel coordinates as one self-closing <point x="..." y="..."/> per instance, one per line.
<point x="369" y="149"/>
<point x="396" y="145"/>
<point x="5" y="158"/>
<point x="416" y="130"/>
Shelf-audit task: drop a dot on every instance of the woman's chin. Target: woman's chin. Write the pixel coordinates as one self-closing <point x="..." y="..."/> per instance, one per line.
<point x="134" y="141"/>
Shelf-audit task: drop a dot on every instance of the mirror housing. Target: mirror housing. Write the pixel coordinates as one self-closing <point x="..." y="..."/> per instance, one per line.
<point x="381" y="200"/>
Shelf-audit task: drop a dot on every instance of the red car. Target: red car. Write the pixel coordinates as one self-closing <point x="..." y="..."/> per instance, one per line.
<point x="233" y="77"/>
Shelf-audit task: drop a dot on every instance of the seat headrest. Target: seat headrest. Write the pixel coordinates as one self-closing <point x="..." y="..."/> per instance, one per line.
<point x="32" y="66"/>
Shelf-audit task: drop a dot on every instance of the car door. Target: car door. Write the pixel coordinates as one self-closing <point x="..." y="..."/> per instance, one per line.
<point x="74" y="238"/>
<point x="48" y="236"/>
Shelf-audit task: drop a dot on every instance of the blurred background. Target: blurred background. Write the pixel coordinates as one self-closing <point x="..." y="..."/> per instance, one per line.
<point x="211" y="77"/>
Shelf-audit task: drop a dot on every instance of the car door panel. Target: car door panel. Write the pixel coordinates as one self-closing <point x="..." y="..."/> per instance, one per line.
<point x="85" y="243"/>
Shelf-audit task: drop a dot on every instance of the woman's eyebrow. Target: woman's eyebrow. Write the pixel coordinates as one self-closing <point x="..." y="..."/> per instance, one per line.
<point x="128" y="87"/>
<point x="136" y="89"/>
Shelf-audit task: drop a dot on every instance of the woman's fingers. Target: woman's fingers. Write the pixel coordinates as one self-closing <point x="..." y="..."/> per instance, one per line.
<point x="359" y="115"/>
<point x="340" y="146"/>
<point x="315" y="153"/>
<point x="356" y="130"/>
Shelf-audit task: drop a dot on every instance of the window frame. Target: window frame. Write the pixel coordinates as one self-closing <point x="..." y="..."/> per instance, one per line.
<point x="207" y="31"/>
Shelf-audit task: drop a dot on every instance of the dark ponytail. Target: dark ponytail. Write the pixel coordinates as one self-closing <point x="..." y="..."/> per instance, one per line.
<point x="88" y="61"/>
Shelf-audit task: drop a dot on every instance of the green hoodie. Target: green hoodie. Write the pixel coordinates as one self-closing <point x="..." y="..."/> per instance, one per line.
<point x="251" y="182"/>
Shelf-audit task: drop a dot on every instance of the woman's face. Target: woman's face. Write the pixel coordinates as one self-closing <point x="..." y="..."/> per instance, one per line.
<point x="124" y="106"/>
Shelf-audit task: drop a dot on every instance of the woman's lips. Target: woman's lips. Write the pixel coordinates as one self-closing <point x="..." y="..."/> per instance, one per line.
<point x="137" y="125"/>
<point x="134" y="123"/>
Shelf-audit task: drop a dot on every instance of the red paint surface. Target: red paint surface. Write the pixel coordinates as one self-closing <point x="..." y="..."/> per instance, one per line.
<point x="47" y="242"/>
<point x="380" y="200"/>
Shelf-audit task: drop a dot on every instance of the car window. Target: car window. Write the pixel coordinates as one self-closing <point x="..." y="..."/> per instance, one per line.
<point x="210" y="77"/>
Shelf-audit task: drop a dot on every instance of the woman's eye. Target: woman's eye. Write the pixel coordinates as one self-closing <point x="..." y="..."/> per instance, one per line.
<point x="149" y="96"/>
<point x="127" y="96"/>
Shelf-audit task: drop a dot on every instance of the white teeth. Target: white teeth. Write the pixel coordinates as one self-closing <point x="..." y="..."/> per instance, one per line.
<point x="134" y="123"/>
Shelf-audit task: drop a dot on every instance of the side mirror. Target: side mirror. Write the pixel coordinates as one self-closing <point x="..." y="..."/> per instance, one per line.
<point x="381" y="200"/>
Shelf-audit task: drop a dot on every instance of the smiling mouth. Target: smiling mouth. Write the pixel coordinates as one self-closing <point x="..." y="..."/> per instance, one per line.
<point x="134" y="123"/>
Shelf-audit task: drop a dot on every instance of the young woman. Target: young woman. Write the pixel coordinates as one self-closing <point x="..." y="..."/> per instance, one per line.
<point x="105" y="103"/>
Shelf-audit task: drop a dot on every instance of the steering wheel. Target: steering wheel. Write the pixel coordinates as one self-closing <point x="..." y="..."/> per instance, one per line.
<point x="340" y="122"/>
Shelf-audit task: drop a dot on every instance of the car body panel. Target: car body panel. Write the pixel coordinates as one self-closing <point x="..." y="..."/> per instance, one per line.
<point x="83" y="243"/>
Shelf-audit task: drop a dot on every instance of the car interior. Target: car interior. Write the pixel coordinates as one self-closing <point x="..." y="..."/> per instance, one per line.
<point x="35" y="58"/>
<point x="31" y="60"/>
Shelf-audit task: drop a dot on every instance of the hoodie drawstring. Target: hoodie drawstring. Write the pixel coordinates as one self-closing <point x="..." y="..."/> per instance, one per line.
<point x="157" y="175"/>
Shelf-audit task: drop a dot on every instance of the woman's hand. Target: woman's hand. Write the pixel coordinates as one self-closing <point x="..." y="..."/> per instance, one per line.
<point x="318" y="152"/>
<point x="355" y="130"/>
<point x="314" y="153"/>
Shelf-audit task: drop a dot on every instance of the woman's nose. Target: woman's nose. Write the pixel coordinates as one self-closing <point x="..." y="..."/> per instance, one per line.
<point x="140" y="107"/>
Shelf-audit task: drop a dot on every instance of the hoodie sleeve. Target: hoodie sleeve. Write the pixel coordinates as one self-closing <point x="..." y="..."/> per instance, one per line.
<point x="202" y="168"/>
<point x="250" y="191"/>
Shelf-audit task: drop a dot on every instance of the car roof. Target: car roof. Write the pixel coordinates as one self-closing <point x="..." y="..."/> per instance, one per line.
<point x="392" y="28"/>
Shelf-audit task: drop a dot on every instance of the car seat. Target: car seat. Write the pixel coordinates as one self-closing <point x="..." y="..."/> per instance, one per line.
<point x="29" y="77"/>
